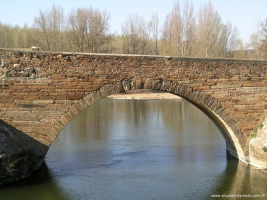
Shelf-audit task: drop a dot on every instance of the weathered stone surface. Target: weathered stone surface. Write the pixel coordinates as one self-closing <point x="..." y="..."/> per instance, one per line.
<point x="20" y="154"/>
<point x="258" y="146"/>
<point x="40" y="92"/>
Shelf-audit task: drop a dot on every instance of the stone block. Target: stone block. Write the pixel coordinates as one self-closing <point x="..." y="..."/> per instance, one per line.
<point x="74" y="97"/>
<point x="42" y="101"/>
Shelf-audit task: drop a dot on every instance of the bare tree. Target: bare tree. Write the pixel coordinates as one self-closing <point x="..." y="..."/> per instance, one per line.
<point x="240" y="50"/>
<point x="15" y="36"/>
<point x="209" y="29"/>
<point x="179" y="30"/>
<point x="6" y="40"/>
<point x="25" y="37"/>
<point x="188" y="29"/>
<point x="183" y="34"/>
<point x="228" y="40"/>
<point x="155" y="33"/>
<point x="257" y="44"/>
<point x="173" y="31"/>
<point x="98" y="30"/>
<point x="264" y="38"/>
<point x="77" y="29"/>
<point x="48" y="29"/>
<point x="166" y="37"/>
<point x="88" y="29"/>
<point x="135" y="36"/>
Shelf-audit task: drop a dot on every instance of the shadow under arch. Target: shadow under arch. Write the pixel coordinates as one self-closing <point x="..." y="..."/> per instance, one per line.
<point x="205" y="102"/>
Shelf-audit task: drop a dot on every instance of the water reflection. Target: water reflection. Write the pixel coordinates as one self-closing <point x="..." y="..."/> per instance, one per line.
<point x="239" y="178"/>
<point x="129" y="149"/>
<point x="40" y="185"/>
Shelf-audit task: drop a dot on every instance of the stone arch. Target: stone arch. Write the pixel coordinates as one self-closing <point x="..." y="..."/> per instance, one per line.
<point x="208" y="104"/>
<point x="78" y="106"/>
<point x="212" y="108"/>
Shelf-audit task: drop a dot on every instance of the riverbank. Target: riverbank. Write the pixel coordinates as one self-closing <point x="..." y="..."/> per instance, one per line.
<point x="146" y="95"/>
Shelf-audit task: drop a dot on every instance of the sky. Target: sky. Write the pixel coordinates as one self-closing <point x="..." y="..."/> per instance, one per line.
<point x="244" y="14"/>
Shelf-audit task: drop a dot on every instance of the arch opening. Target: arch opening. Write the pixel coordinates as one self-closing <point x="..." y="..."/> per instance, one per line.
<point x="209" y="105"/>
<point x="118" y="143"/>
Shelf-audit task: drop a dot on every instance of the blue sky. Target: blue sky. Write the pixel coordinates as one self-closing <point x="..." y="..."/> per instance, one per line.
<point x="244" y="14"/>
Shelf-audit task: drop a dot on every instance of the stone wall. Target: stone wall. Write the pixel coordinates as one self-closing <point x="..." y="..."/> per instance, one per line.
<point x="258" y="146"/>
<point x="40" y="92"/>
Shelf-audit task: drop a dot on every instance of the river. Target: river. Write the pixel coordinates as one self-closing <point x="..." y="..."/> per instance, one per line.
<point x="136" y="149"/>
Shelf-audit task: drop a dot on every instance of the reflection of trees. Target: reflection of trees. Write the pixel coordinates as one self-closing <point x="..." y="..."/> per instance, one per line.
<point x="111" y="119"/>
<point x="175" y="114"/>
<point x="239" y="178"/>
<point x="99" y="121"/>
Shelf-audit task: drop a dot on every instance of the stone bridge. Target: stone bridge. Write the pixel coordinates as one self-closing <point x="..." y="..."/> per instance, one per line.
<point x="40" y="92"/>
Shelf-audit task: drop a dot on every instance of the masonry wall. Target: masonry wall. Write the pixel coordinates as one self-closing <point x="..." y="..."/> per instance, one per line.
<point x="38" y="88"/>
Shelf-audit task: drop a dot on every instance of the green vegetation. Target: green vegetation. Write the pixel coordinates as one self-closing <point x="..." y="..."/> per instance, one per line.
<point x="260" y="126"/>
<point x="10" y="166"/>
<point x="264" y="149"/>
<point x="253" y="135"/>
<point x="185" y="33"/>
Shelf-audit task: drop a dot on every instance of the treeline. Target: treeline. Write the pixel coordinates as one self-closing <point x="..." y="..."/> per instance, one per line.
<point x="185" y="33"/>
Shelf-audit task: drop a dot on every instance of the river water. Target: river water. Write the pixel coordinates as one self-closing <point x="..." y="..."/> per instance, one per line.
<point x="136" y="149"/>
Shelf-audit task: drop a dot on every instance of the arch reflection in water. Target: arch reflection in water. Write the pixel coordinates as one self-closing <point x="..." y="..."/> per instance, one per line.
<point x="152" y="149"/>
